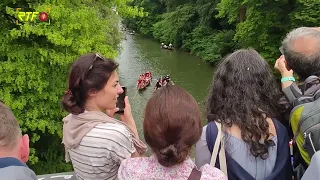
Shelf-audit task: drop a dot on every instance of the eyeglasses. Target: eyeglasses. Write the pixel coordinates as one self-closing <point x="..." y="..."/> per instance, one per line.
<point x="97" y="55"/>
<point x="281" y="50"/>
<point x="94" y="59"/>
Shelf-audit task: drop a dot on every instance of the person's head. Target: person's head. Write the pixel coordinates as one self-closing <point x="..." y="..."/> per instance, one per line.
<point x="243" y="93"/>
<point x="301" y="49"/>
<point x="172" y="124"/>
<point x="93" y="85"/>
<point x="12" y="143"/>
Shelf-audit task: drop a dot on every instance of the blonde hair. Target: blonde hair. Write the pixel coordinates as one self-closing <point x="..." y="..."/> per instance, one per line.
<point x="9" y="127"/>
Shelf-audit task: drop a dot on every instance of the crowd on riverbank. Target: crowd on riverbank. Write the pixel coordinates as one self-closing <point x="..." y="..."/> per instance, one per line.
<point x="251" y="121"/>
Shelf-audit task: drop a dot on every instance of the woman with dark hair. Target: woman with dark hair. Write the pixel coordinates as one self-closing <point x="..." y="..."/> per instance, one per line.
<point x="94" y="141"/>
<point x="244" y="99"/>
<point x="172" y="124"/>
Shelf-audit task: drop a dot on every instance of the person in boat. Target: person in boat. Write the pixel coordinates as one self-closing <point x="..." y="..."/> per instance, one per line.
<point x="167" y="78"/>
<point x="158" y="84"/>
<point x="143" y="83"/>
<point x="164" y="46"/>
<point x="164" y="82"/>
<point x="148" y="74"/>
<point x="94" y="141"/>
<point x="171" y="141"/>
<point x="139" y="83"/>
<point x="170" y="46"/>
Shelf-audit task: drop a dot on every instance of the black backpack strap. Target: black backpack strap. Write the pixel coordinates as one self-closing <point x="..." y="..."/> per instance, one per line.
<point x="195" y="174"/>
<point x="211" y="135"/>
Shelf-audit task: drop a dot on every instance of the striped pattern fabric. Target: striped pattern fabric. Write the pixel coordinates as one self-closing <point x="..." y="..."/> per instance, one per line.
<point x="101" y="152"/>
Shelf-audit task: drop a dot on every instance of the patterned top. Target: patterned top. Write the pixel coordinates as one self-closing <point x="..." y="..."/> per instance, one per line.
<point x="101" y="151"/>
<point x="148" y="168"/>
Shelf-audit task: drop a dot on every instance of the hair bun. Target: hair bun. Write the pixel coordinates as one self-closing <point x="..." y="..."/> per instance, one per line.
<point x="69" y="103"/>
<point x="171" y="155"/>
<point x="169" y="151"/>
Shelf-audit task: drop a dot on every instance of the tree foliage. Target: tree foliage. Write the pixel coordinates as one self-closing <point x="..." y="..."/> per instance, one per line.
<point x="213" y="28"/>
<point x="35" y="58"/>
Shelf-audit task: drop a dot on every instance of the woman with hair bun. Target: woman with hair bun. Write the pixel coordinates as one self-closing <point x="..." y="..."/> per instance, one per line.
<point x="171" y="126"/>
<point x="94" y="141"/>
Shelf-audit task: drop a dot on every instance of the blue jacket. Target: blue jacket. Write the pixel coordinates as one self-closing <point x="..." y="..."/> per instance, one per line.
<point x="13" y="169"/>
<point x="282" y="169"/>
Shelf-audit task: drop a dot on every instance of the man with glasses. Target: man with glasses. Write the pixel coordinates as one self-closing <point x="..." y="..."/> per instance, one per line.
<point x="301" y="55"/>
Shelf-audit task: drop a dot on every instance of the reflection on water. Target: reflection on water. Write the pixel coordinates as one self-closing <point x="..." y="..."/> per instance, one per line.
<point x="140" y="54"/>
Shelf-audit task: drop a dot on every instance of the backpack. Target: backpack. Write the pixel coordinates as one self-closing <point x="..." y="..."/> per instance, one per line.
<point x="313" y="173"/>
<point x="305" y="118"/>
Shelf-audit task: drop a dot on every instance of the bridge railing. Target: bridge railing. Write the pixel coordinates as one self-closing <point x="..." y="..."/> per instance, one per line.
<point x="58" y="176"/>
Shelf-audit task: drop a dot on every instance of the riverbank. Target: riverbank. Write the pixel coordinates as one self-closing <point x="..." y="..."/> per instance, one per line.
<point x="211" y="29"/>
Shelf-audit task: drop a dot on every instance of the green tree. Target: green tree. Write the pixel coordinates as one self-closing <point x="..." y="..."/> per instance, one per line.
<point x="213" y="28"/>
<point x="35" y="58"/>
<point x="175" y="25"/>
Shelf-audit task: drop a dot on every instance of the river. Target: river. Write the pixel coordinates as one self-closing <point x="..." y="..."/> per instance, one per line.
<point x="140" y="54"/>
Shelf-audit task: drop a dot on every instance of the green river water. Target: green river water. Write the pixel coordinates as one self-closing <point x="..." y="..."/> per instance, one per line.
<point x="140" y="54"/>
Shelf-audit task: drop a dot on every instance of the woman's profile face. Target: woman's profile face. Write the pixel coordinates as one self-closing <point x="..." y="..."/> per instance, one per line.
<point x="106" y="98"/>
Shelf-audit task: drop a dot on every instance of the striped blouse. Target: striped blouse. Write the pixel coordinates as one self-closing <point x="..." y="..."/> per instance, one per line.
<point x="101" y="151"/>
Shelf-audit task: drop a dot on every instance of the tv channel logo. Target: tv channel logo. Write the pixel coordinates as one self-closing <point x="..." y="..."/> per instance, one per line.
<point x="24" y="16"/>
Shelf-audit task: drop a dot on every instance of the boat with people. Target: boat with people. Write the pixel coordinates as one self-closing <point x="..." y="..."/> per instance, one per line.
<point x="167" y="47"/>
<point x="144" y="80"/>
<point x="162" y="82"/>
<point x="132" y="33"/>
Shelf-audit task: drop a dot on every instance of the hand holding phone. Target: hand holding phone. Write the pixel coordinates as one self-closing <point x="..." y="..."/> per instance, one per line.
<point x="120" y="102"/>
<point x="282" y="66"/>
<point x="127" y="117"/>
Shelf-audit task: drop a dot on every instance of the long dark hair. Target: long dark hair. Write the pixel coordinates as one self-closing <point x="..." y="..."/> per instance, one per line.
<point x="244" y="92"/>
<point x="89" y="72"/>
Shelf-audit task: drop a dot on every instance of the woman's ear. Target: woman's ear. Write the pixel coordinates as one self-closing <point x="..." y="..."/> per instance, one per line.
<point x="92" y="92"/>
<point x="24" y="148"/>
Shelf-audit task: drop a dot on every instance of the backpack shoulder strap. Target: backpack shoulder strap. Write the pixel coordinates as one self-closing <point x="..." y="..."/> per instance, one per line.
<point x="211" y="135"/>
<point x="216" y="146"/>
<point x="195" y="174"/>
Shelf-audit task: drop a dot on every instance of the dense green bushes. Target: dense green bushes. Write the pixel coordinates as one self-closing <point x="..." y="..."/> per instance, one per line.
<point x="35" y="58"/>
<point x="213" y="28"/>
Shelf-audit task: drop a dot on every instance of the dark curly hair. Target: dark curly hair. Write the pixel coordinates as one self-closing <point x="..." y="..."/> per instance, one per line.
<point x="244" y="92"/>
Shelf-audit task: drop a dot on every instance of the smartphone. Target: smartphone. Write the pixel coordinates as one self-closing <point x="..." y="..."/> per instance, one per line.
<point x="120" y="102"/>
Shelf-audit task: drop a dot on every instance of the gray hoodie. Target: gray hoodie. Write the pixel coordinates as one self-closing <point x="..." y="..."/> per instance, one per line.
<point x="13" y="169"/>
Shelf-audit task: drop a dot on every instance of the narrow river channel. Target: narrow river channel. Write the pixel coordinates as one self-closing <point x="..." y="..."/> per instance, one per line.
<point x="140" y="54"/>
